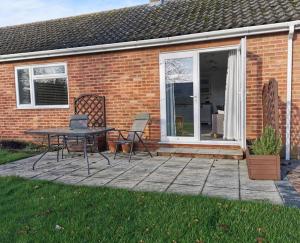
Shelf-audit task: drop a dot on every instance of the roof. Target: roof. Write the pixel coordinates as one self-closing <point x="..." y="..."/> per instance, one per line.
<point x="143" y="22"/>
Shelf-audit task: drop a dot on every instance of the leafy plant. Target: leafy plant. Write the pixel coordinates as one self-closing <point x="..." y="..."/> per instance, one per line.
<point x="269" y="143"/>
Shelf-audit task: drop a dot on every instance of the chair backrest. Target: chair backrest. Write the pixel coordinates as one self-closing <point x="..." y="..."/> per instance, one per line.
<point x="79" y="122"/>
<point x="139" y="124"/>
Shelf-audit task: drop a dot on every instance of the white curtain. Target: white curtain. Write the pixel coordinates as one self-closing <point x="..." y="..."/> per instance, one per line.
<point x="171" y="113"/>
<point x="232" y="104"/>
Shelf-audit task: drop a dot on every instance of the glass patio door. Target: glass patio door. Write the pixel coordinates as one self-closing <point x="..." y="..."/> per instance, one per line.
<point x="180" y="96"/>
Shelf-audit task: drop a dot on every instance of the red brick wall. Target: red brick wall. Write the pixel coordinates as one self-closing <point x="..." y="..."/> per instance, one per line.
<point x="267" y="59"/>
<point x="130" y="82"/>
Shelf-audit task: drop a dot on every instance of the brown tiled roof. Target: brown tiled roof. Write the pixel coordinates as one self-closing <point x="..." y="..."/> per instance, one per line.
<point x="173" y="18"/>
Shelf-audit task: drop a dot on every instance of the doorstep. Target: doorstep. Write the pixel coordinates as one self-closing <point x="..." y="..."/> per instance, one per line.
<point x="211" y="153"/>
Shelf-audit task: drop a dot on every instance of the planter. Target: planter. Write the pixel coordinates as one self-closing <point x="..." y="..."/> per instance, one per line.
<point x="263" y="167"/>
<point x="126" y="148"/>
<point x="111" y="146"/>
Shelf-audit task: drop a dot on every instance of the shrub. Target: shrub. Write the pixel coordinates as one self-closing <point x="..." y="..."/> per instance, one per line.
<point x="18" y="145"/>
<point x="269" y="143"/>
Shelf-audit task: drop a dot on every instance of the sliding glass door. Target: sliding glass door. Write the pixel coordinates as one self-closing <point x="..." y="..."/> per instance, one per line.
<point x="202" y="96"/>
<point x="180" y="89"/>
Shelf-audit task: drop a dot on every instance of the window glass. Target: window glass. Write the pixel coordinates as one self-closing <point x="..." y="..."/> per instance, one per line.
<point x="179" y="97"/>
<point x="48" y="70"/>
<point x="24" y="86"/>
<point x="51" y="91"/>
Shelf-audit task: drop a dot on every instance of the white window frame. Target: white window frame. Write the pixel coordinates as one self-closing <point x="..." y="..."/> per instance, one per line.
<point x="241" y="49"/>
<point x="33" y="77"/>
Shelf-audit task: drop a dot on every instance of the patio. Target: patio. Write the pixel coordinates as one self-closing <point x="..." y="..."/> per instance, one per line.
<point x="212" y="177"/>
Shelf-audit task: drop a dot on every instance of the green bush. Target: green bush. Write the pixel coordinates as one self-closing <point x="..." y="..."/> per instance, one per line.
<point x="268" y="144"/>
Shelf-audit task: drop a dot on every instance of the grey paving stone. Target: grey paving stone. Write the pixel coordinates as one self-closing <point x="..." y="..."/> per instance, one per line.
<point x="227" y="193"/>
<point x="255" y="185"/>
<point x="133" y="176"/>
<point x="181" y="159"/>
<point x="156" y="174"/>
<point x="91" y="181"/>
<point x="46" y="176"/>
<point x="151" y="186"/>
<point x="224" y="173"/>
<point x="272" y="197"/>
<point x="189" y="181"/>
<point x="223" y="182"/>
<point x="185" y="189"/>
<point x="106" y="174"/>
<point x="128" y="184"/>
<point x="155" y="177"/>
<point x="225" y="162"/>
<point x="70" y="179"/>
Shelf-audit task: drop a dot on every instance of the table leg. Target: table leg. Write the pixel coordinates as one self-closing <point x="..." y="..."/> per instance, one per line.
<point x="108" y="162"/>
<point x="48" y="150"/>
<point x="85" y="153"/>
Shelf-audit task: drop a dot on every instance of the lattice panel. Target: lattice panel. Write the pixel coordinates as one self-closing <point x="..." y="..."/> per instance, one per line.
<point x="94" y="107"/>
<point x="270" y="105"/>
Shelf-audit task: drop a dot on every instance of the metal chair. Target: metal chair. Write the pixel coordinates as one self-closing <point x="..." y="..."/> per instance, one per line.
<point x="134" y="135"/>
<point x="78" y="122"/>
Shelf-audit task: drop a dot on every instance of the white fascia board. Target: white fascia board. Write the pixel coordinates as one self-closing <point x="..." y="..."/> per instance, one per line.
<point x="213" y="35"/>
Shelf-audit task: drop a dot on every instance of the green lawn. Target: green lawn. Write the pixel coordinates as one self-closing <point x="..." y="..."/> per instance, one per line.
<point x="13" y="155"/>
<point x="34" y="211"/>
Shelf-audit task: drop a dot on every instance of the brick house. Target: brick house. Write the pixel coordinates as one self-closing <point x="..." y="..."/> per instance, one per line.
<point x="197" y="67"/>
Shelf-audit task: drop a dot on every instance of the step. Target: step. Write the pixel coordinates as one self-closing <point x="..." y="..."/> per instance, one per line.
<point x="202" y="153"/>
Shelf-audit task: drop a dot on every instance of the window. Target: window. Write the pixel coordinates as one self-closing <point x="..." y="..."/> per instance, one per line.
<point x="43" y="86"/>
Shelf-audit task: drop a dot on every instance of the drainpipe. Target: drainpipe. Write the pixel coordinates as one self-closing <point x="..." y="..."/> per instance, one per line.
<point x="289" y="92"/>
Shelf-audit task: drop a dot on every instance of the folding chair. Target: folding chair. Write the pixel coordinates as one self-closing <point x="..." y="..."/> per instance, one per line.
<point x="135" y="134"/>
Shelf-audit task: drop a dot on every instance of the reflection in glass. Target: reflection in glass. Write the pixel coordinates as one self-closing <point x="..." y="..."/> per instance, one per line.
<point x="24" y="86"/>
<point x="179" y="97"/>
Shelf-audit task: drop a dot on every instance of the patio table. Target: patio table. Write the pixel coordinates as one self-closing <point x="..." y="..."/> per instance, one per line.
<point x="68" y="132"/>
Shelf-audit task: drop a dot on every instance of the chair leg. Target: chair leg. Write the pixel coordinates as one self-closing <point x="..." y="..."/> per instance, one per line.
<point x="117" y="146"/>
<point x="131" y="150"/>
<point x="145" y="146"/>
<point x="57" y="155"/>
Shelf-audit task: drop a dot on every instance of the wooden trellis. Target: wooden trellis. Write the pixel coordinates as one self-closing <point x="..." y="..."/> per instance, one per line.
<point x="94" y="107"/>
<point x="270" y="105"/>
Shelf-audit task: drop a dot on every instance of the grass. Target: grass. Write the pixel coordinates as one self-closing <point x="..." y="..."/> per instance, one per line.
<point x="35" y="211"/>
<point x="7" y="156"/>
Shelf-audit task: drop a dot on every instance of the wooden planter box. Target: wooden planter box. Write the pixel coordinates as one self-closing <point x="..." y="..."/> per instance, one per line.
<point x="263" y="167"/>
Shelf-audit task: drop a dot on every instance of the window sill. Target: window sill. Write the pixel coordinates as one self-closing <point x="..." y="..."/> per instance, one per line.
<point x="43" y="107"/>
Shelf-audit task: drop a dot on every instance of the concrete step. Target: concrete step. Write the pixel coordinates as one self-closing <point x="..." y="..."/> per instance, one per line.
<point x="202" y="153"/>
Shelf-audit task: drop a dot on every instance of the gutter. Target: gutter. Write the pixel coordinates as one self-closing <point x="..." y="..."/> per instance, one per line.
<point x="206" y="36"/>
<point x="289" y="91"/>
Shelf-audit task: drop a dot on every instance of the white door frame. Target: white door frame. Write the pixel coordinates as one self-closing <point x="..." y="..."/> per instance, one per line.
<point x="196" y="90"/>
<point x="196" y="63"/>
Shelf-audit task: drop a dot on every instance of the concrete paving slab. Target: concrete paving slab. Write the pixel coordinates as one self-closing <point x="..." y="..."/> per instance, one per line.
<point x="90" y="181"/>
<point x="185" y="189"/>
<point x="255" y="185"/>
<point x="119" y="183"/>
<point x="227" y="182"/>
<point x="151" y="186"/>
<point x="222" y="178"/>
<point x="272" y="197"/>
<point x="227" y="193"/>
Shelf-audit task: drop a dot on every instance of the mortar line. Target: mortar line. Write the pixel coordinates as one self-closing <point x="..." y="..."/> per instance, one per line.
<point x="155" y="169"/>
<point x="172" y="182"/>
<point x="207" y="176"/>
<point x="125" y="171"/>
